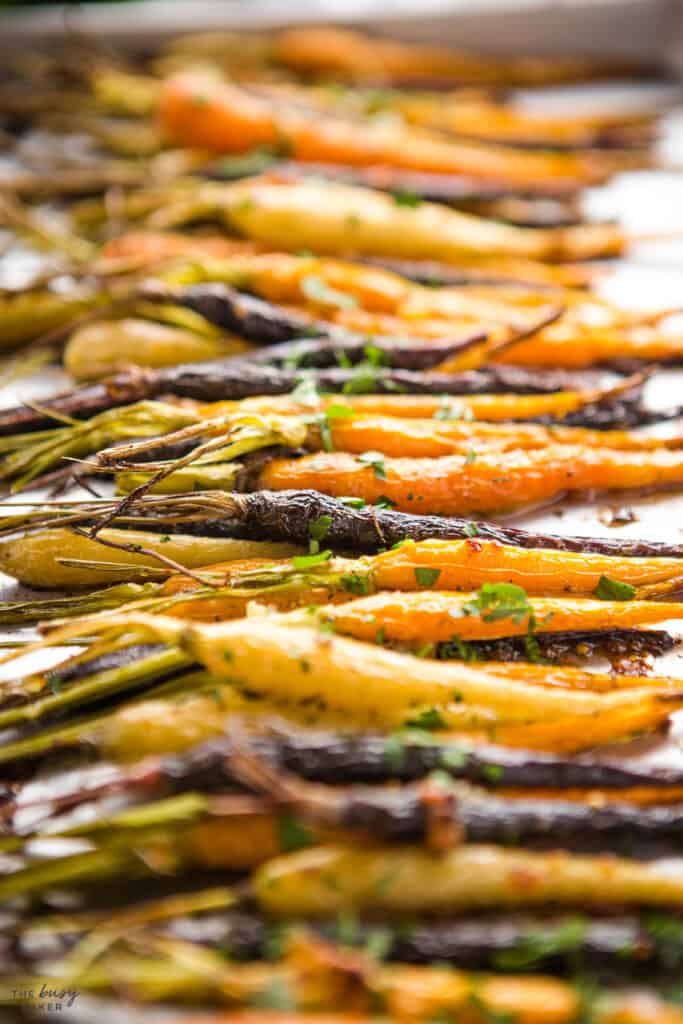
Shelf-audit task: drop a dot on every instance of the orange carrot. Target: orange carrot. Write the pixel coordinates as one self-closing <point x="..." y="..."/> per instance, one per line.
<point x="581" y="732"/>
<point x="481" y="118"/>
<point x="335" y="52"/>
<point x="571" y="678"/>
<point x="642" y="796"/>
<point x="564" y="344"/>
<point x="417" y="438"/>
<point x="421" y="617"/>
<point x="467" y="564"/>
<point x="200" y="110"/>
<point x="493" y="408"/>
<point x="477" y="484"/>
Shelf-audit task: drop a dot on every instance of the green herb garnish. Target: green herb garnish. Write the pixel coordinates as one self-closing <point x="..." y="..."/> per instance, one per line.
<point x="609" y="589"/>
<point x="429" y="719"/>
<point x="376" y="460"/>
<point x="292" y="833"/>
<point x="425" y="577"/>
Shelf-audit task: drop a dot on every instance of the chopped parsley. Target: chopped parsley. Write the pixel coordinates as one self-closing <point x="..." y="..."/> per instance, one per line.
<point x="425" y="651"/>
<point x="609" y="589"/>
<point x="309" y="561"/>
<point x="426" y="577"/>
<point x="323" y="421"/>
<point x="429" y="719"/>
<point x="347" y="928"/>
<point x="367" y="372"/>
<point x="496" y="601"/>
<point x="292" y="833"/>
<point x="376" y="460"/>
<point x="384" y="502"/>
<point x="56" y="682"/>
<point x="536" y="946"/>
<point x="356" y="583"/>
<point x="404" y="198"/>
<point x="374" y="355"/>
<point x="338" y="412"/>
<point x="456" y="648"/>
<point x="470" y="530"/>
<point x="532" y="648"/>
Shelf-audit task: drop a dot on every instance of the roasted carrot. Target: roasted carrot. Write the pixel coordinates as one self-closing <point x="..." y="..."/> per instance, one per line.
<point x="578" y="679"/>
<point x="323" y="880"/>
<point x="469" y="563"/>
<point x="566" y="345"/>
<point x="298" y="664"/>
<point x="400" y="425"/>
<point x="315" y="667"/>
<point x="489" y="483"/>
<point x="60" y="558"/>
<point x="641" y="796"/>
<point x="103" y="347"/>
<point x="336" y="52"/>
<point x="343" y="430"/>
<point x="485" y="119"/>
<point x="475" y="115"/>
<point x="492" y="408"/>
<point x="200" y="110"/>
<point x="582" y="732"/>
<point x="417" y="438"/>
<point x="438" y="616"/>
<point x="374" y="301"/>
<point x="366" y="223"/>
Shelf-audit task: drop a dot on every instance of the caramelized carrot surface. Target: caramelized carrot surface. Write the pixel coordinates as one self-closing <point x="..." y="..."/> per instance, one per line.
<point x="466" y="564"/>
<point x="565" y="345"/>
<point x="582" y="732"/>
<point x="437" y="617"/>
<point x="419" y="438"/>
<point x="476" y="484"/>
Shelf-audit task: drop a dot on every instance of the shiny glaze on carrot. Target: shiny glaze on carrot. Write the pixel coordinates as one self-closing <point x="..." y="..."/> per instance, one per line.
<point x="440" y="616"/>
